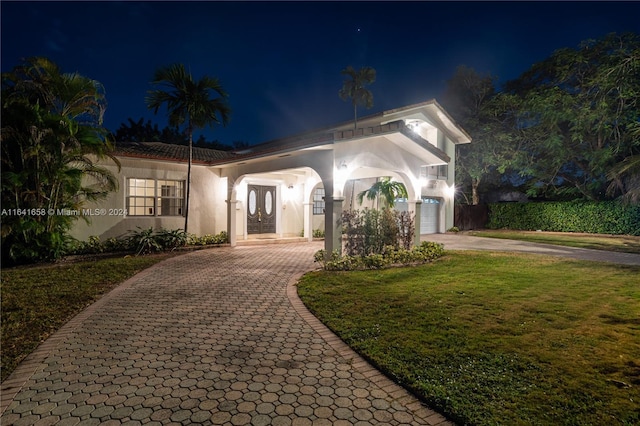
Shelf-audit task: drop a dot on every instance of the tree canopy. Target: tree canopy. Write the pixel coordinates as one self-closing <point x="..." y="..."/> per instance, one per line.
<point x="578" y="110"/>
<point x="384" y="189"/>
<point x="141" y="131"/>
<point x="354" y="88"/>
<point x="565" y="129"/>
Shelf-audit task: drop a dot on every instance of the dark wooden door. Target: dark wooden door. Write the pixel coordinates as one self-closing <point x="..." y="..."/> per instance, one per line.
<point x="261" y="209"/>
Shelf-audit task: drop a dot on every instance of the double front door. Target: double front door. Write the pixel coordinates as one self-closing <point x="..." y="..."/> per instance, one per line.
<point x="261" y="209"/>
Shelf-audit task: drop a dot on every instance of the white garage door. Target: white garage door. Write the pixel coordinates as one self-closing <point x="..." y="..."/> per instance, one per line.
<point x="429" y="215"/>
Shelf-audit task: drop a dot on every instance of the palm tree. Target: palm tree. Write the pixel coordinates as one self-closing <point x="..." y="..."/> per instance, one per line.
<point x="197" y="103"/>
<point x="51" y="136"/>
<point x="386" y="189"/>
<point x="353" y="88"/>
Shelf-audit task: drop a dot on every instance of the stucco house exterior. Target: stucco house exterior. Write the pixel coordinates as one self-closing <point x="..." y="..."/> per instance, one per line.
<point x="287" y="187"/>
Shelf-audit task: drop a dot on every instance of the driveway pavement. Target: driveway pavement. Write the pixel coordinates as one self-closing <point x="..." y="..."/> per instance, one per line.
<point x="219" y="337"/>
<point x="212" y="337"/>
<point x="467" y="242"/>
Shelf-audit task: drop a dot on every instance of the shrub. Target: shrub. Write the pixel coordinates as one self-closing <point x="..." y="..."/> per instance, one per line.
<point x="144" y="241"/>
<point x="369" y="231"/>
<point x="208" y="239"/>
<point x="317" y="233"/>
<point x="605" y="217"/>
<point x="171" y="239"/>
<point x="425" y="252"/>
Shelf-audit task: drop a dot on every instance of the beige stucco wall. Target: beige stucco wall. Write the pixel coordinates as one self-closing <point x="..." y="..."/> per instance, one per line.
<point x="204" y="211"/>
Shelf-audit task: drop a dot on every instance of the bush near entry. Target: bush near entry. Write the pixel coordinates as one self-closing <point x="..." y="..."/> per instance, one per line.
<point x="603" y="217"/>
<point x="376" y="239"/>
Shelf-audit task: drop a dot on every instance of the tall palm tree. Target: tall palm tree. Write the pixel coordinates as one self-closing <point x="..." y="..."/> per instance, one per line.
<point x="384" y="189"/>
<point x="195" y="103"/>
<point x="354" y="88"/>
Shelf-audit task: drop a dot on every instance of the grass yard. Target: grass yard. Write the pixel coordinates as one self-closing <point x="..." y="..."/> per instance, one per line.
<point x="495" y="338"/>
<point x="36" y="301"/>
<point x="617" y="243"/>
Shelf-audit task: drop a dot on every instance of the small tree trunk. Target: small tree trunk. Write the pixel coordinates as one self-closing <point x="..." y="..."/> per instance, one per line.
<point x="475" y="197"/>
<point x="355" y="119"/>
<point x="186" y="207"/>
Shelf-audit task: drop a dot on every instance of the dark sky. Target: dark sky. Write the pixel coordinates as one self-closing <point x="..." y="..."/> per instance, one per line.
<point x="280" y="62"/>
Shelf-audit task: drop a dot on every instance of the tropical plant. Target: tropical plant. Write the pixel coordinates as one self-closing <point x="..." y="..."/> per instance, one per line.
<point x="52" y="141"/>
<point x="384" y="189"/>
<point x="354" y="88"/>
<point x="196" y="104"/>
<point x="144" y="241"/>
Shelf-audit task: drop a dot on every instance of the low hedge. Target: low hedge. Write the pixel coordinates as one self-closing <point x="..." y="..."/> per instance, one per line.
<point x="604" y="217"/>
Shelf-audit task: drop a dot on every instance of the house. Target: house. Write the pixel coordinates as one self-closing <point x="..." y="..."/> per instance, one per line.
<point x="288" y="187"/>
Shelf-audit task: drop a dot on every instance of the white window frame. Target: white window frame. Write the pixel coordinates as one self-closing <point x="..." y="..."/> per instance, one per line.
<point x="146" y="197"/>
<point x="318" y="201"/>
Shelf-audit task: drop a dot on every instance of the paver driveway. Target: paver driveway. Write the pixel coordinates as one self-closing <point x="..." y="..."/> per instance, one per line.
<point x="210" y="337"/>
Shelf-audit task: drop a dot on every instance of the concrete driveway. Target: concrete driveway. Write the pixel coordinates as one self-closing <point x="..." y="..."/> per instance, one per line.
<point x="467" y="242"/>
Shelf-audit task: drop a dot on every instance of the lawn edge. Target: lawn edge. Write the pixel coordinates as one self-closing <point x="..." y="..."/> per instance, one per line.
<point x="402" y="395"/>
<point x="34" y="362"/>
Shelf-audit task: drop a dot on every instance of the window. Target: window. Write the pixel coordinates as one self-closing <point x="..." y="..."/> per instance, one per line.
<point x="318" y="201"/>
<point x="171" y="197"/>
<point x="140" y="197"/>
<point x="148" y="197"/>
<point x="434" y="172"/>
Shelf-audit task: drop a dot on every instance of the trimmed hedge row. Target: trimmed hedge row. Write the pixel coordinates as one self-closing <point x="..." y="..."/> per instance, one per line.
<point x="604" y="217"/>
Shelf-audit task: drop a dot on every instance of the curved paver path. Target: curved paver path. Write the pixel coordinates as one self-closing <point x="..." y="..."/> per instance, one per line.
<point x="210" y="337"/>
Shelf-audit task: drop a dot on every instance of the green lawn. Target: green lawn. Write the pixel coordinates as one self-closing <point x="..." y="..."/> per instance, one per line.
<point x="495" y="338"/>
<point x="36" y="301"/>
<point x="617" y="243"/>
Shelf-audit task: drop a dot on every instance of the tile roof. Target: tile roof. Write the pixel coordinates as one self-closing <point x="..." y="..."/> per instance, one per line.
<point x="170" y="152"/>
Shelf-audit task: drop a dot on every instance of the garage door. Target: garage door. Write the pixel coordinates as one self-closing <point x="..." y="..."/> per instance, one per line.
<point x="429" y="215"/>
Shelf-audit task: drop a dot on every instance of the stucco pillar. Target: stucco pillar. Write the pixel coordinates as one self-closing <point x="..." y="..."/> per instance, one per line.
<point x="308" y="221"/>
<point x="231" y="221"/>
<point x="333" y="224"/>
<point x="416" y="207"/>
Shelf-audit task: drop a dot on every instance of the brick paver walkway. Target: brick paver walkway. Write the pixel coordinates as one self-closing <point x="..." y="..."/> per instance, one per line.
<point x="212" y="337"/>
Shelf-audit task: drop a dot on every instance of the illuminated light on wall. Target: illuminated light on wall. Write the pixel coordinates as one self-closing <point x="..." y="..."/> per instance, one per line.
<point x="450" y="191"/>
<point x="414" y="125"/>
<point x="340" y="175"/>
<point x="288" y="194"/>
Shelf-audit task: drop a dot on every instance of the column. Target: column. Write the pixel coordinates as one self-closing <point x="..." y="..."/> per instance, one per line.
<point x="308" y="221"/>
<point x="416" y="207"/>
<point x="333" y="224"/>
<point x="231" y="221"/>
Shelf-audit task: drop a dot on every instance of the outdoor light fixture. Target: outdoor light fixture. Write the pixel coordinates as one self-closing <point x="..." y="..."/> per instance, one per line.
<point x="414" y="126"/>
<point x="450" y="191"/>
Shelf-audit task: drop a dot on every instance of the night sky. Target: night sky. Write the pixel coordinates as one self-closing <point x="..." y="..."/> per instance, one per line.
<point x="281" y="62"/>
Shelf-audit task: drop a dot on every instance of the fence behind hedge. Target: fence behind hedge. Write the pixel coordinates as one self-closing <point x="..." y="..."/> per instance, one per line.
<point x="605" y="217"/>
